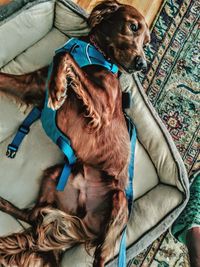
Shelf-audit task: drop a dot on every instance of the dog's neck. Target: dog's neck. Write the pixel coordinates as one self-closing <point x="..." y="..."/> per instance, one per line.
<point x="96" y="41"/>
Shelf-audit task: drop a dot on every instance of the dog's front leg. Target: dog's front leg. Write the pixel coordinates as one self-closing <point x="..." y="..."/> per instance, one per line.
<point x="30" y="87"/>
<point x="67" y="74"/>
<point x="57" y="84"/>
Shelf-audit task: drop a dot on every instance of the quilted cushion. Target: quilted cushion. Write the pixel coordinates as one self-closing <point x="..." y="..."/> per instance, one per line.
<point x="24" y="30"/>
<point x="38" y="55"/>
<point x="67" y="21"/>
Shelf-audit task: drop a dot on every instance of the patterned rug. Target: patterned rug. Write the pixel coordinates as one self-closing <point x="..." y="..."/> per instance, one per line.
<point x="172" y="85"/>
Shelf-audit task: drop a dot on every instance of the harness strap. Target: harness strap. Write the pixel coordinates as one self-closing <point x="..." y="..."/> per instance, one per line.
<point x="133" y="135"/>
<point x="129" y="190"/>
<point x="86" y="54"/>
<point x="64" y="177"/>
<point x="67" y="150"/>
<point x="23" y="130"/>
<point x="69" y="153"/>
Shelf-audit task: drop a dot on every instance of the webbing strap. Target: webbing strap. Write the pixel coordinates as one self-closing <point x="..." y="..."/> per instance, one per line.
<point x="23" y="130"/>
<point x="129" y="190"/>
<point x="122" y="250"/>
<point x="67" y="150"/>
<point x="69" y="153"/>
<point x="86" y="54"/>
<point x="64" y="177"/>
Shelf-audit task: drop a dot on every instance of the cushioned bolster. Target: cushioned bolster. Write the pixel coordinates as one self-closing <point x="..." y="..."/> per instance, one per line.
<point x="145" y="176"/>
<point x="65" y="18"/>
<point x="155" y="140"/>
<point x="38" y="55"/>
<point x="24" y="30"/>
<point x="148" y="220"/>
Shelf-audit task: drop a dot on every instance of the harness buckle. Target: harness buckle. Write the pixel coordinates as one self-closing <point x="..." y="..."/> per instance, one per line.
<point x="23" y="129"/>
<point x="11" y="151"/>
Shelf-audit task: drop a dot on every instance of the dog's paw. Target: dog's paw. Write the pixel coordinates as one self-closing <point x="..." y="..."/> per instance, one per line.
<point x="61" y="79"/>
<point x="57" y="92"/>
<point x="55" y="101"/>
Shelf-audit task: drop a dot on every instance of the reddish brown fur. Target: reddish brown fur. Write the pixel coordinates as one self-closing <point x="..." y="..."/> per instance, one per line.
<point x="89" y="104"/>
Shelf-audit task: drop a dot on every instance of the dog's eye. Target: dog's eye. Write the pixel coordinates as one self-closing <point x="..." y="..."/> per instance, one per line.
<point x="134" y="27"/>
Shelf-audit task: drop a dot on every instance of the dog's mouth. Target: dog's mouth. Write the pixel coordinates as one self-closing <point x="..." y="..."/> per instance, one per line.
<point x="132" y="68"/>
<point x="129" y="70"/>
<point x="122" y="67"/>
<point x="138" y="63"/>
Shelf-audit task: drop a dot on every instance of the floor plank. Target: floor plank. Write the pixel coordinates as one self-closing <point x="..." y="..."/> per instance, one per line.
<point x="4" y="2"/>
<point x="148" y="8"/>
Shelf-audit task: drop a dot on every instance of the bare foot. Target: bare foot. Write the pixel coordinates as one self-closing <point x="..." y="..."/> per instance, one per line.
<point x="193" y="245"/>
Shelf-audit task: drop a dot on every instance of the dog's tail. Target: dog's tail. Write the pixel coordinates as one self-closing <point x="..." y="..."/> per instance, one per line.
<point x="60" y="231"/>
<point x="55" y="231"/>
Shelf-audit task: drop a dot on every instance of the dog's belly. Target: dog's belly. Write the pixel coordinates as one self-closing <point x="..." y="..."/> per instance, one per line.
<point x="69" y="200"/>
<point x="88" y="197"/>
<point x="98" y="193"/>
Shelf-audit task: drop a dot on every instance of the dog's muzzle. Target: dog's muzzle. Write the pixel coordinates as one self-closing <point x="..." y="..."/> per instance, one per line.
<point x="140" y="63"/>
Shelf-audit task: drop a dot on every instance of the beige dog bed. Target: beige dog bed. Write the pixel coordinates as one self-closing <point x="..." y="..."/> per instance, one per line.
<point x="28" y="40"/>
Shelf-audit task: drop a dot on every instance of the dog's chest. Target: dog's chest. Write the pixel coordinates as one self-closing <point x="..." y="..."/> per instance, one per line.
<point x="107" y="149"/>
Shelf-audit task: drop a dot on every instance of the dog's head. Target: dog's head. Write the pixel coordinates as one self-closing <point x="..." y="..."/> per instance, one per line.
<point x="122" y="33"/>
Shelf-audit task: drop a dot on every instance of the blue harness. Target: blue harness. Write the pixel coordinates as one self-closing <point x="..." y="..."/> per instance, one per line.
<point x="84" y="54"/>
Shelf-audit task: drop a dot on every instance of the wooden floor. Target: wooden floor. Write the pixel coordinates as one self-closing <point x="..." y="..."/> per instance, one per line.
<point x="149" y="8"/>
<point x="3" y="2"/>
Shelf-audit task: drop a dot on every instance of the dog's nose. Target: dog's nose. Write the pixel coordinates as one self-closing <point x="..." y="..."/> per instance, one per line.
<point x="140" y="63"/>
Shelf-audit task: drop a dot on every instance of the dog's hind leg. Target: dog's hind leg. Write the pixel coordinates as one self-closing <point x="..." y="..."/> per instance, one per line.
<point x="12" y="210"/>
<point x="117" y="222"/>
<point x="46" y="197"/>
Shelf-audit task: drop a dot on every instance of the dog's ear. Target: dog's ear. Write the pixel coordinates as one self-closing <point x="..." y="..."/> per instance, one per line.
<point x="101" y="12"/>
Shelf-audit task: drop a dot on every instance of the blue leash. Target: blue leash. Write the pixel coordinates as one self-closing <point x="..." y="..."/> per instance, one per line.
<point x="70" y="156"/>
<point x="129" y="191"/>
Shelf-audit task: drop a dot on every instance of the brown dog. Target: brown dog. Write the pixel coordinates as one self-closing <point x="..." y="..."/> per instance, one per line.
<point x="93" y="207"/>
